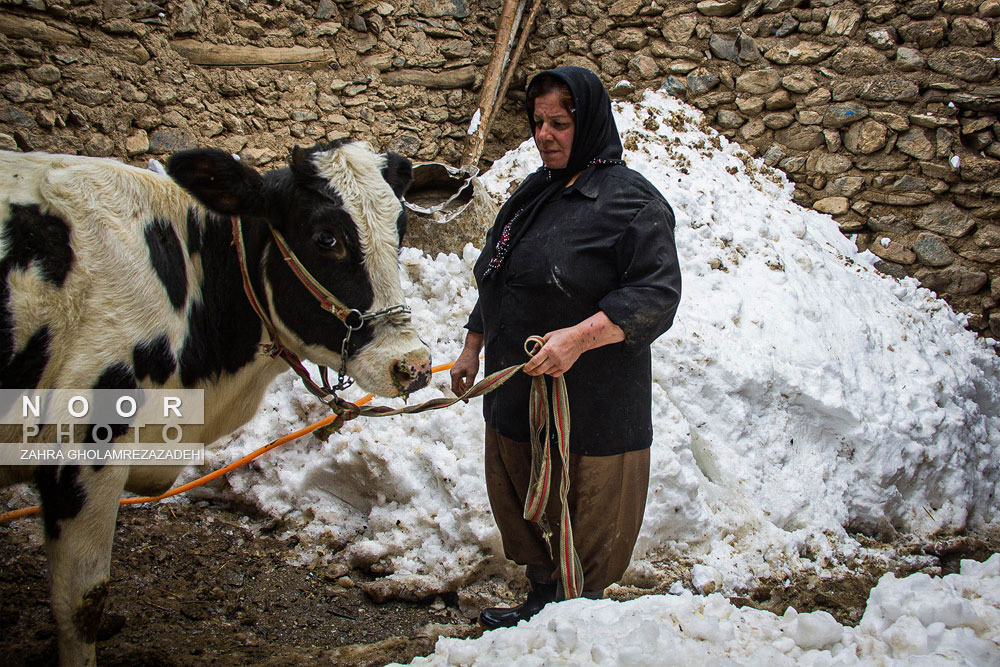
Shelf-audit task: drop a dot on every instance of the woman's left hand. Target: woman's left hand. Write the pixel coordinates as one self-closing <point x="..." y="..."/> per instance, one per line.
<point x="561" y="350"/>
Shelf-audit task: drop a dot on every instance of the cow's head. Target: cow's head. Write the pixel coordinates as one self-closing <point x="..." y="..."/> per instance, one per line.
<point x="338" y="207"/>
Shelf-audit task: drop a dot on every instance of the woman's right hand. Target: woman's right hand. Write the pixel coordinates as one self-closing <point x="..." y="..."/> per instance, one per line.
<point x="466" y="367"/>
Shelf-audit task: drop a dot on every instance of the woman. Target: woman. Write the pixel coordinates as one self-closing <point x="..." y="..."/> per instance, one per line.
<point x="583" y="254"/>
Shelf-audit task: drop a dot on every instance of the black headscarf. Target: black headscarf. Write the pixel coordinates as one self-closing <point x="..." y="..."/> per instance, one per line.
<point x="595" y="143"/>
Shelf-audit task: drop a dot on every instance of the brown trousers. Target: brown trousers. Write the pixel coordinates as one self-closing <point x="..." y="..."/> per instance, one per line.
<point x="607" y="499"/>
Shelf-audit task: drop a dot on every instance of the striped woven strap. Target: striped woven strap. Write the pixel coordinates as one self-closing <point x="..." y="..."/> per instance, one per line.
<point x="484" y="386"/>
<point x="539" y="489"/>
<point x="241" y="254"/>
<point x="327" y="301"/>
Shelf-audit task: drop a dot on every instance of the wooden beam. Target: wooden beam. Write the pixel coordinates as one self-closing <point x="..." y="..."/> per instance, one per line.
<point x="491" y="80"/>
<point x="514" y="59"/>
<point x="51" y="32"/>
<point x="219" y="55"/>
<point x="461" y="77"/>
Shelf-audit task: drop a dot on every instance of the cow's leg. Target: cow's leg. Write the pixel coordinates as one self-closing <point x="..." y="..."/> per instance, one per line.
<point x="79" y="505"/>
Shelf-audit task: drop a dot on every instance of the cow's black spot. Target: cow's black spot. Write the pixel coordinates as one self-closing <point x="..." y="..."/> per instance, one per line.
<point x="62" y="495"/>
<point x="167" y="258"/>
<point x="116" y="376"/>
<point x="6" y="323"/>
<point x="194" y="231"/>
<point x="196" y="356"/>
<point x="31" y="236"/>
<point x="401" y="222"/>
<point x="222" y="329"/>
<point x="26" y="367"/>
<point x="154" y="359"/>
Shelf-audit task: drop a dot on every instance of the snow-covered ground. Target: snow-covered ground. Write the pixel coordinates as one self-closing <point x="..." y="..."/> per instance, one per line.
<point x="799" y="396"/>
<point x="920" y="620"/>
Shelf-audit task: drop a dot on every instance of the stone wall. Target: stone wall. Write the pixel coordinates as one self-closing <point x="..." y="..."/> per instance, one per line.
<point x="883" y="113"/>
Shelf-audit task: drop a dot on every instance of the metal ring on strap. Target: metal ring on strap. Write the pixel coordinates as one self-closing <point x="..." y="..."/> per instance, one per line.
<point x="359" y="318"/>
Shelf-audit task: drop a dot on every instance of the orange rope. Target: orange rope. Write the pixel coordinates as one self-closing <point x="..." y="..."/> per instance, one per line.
<point x="17" y="514"/>
<point x="34" y="509"/>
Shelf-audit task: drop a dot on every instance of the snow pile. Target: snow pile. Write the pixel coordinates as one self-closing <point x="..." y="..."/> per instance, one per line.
<point x="799" y="395"/>
<point x="918" y="620"/>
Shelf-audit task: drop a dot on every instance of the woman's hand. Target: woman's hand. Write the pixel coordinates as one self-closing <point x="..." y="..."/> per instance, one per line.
<point x="561" y="350"/>
<point x="466" y="367"/>
<point x="564" y="346"/>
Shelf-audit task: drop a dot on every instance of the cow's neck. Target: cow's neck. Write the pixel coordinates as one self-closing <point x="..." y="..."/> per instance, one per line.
<point x="221" y="352"/>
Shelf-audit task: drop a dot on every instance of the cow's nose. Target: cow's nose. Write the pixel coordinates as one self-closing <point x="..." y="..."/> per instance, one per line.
<point x="410" y="376"/>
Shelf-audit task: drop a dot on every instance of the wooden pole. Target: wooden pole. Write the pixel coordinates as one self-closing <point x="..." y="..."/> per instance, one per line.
<point x="515" y="57"/>
<point x="491" y="80"/>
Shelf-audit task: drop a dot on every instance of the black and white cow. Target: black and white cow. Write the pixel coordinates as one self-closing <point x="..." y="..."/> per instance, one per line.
<point x="115" y="277"/>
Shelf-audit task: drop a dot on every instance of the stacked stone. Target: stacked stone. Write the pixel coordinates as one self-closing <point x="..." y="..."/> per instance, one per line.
<point x="122" y="77"/>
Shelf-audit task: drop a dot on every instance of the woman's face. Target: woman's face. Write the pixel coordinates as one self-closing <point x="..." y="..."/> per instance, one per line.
<point x="553" y="130"/>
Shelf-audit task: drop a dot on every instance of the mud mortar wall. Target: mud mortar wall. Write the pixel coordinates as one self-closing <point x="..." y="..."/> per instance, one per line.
<point x="883" y="113"/>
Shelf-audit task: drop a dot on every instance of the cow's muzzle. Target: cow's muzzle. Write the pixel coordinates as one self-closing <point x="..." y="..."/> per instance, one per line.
<point x="409" y="376"/>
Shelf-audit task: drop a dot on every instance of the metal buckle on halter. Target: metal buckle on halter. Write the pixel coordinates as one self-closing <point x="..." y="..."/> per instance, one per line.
<point x="269" y="349"/>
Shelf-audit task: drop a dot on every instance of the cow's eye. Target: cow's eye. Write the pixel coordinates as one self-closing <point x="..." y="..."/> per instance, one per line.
<point x="326" y="239"/>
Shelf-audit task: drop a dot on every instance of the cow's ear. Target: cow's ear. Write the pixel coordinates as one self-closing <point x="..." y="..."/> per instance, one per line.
<point x="398" y="173"/>
<point x="218" y="180"/>
<point x="299" y="160"/>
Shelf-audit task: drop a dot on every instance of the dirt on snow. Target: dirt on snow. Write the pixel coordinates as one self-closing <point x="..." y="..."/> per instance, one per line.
<point x="209" y="584"/>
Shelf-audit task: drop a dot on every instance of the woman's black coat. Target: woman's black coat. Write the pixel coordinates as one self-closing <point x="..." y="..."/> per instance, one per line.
<point x="605" y="243"/>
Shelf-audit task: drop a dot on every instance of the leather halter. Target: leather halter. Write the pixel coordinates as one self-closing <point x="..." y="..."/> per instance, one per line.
<point x="352" y="318"/>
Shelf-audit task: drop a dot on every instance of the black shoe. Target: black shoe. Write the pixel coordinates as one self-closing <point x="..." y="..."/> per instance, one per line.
<point x="508" y="617"/>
